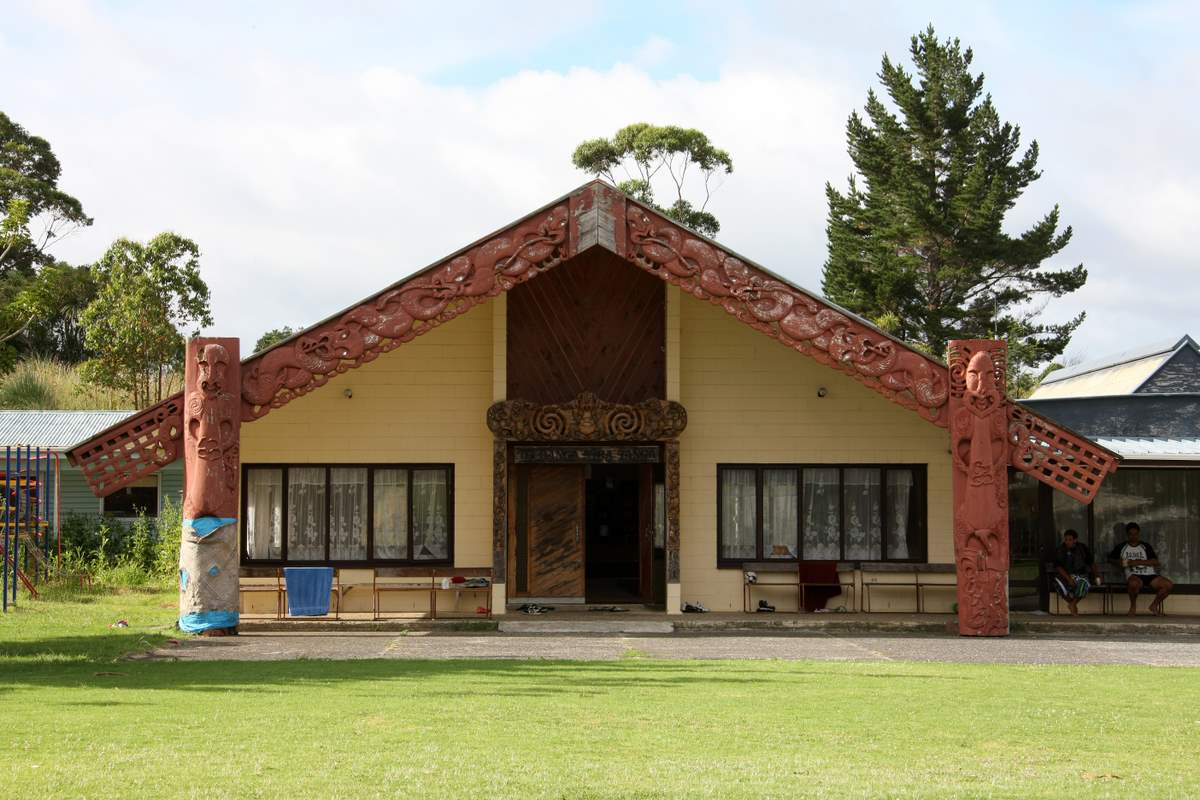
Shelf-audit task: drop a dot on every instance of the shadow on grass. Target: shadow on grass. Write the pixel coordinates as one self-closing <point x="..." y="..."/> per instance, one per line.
<point x="72" y="662"/>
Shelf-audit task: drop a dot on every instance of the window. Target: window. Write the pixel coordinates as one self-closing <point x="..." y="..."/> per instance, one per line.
<point x="820" y="513"/>
<point x="1164" y="501"/>
<point x="347" y="513"/>
<point x="139" y="497"/>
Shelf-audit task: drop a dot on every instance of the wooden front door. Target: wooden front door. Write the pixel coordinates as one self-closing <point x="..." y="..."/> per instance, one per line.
<point x="553" y="546"/>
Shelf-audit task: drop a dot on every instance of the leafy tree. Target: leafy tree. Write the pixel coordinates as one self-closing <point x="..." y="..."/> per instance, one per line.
<point x="643" y="152"/>
<point x="918" y="245"/>
<point x="35" y="211"/>
<point x="272" y="338"/>
<point x="149" y="293"/>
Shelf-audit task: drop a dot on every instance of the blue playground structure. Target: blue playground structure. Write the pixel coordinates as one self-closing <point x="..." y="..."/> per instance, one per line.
<point x="29" y="520"/>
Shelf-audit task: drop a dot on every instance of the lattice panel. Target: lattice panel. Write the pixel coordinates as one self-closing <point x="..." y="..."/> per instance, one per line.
<point x="1056" y="457"/>
<point x="137" y="447"/>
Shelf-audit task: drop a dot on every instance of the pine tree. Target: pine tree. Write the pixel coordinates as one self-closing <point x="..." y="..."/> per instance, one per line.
<point x="917" y="245"/>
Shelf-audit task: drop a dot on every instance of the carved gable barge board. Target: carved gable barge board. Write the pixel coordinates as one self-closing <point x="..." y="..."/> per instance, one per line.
<point x="595" y="215"/>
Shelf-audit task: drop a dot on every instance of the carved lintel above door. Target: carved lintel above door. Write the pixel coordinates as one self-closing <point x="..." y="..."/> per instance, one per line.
<point x="587" y="419"/>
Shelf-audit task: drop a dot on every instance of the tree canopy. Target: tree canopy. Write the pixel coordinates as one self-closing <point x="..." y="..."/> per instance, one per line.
<point x="149" y="295"/>
<point x="35" y="211"/>
<point x="642" y="152"/>
<point x="917" y="242"/>
<point x="40" y="297"/>
<point x="272" y="338"/>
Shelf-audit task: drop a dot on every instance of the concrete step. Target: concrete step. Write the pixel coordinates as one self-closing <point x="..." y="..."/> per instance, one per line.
<point x="564" y="624"/>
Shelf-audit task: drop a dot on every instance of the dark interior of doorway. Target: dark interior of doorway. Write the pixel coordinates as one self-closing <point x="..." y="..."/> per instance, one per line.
<point x="612" y="540"/>
<point x="613" y="535"/>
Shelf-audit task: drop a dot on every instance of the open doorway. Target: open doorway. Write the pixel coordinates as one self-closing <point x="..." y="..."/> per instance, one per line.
<point x="590" y="532"/>
<point x="613" y="534"/>
<point x="624" y="555"/>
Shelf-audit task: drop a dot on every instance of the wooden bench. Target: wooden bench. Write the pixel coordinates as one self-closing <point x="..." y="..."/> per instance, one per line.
<point x="1114" y="585"/>
<point x="903" y="576"/>
<point x="787" y="573"/>
<point x="266" y="580"/>
<point x="428" y="581"/>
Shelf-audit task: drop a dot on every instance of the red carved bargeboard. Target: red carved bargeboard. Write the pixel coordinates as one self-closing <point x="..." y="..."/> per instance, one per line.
<point x="785" y="313"/>
<point x="133" y="448"/>
<point x="596" y="215"/>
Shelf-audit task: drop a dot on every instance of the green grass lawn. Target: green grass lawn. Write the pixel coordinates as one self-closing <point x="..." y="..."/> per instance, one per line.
<point x="76" y="723"/>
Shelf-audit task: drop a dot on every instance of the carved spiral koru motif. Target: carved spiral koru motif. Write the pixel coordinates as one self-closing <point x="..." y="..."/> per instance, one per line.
<point x="792" y="317"/>
<point x="586" y="418"/>
<point x="403" y="312"/>
<point x="623" y="422"/>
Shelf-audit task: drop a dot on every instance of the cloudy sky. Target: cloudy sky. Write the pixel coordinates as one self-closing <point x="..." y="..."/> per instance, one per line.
<point x="320" y="151"/>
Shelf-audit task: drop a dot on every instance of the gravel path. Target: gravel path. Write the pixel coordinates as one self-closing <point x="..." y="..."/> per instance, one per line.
<point x="1167" y="651"/>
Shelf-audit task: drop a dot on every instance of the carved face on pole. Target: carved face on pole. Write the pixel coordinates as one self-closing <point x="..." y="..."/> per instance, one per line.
<point x="213" y="363"/>
<point x="982" y="393"/>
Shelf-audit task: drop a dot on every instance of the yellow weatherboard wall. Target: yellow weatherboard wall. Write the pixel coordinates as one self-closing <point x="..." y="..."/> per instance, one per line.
<point x="424" y="402"/>
<point x="751" y="399"/>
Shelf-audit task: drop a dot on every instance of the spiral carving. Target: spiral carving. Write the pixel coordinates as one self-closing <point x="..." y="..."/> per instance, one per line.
<point x="586" y="419"/>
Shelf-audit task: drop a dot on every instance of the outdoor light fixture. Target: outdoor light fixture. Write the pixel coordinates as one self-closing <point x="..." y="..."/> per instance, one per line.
<point x="348" y="393"/>
<point x="821" y="391"/>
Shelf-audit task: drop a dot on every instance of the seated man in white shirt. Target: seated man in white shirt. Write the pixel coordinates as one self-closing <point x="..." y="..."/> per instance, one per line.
<point x="1140" y="563"/>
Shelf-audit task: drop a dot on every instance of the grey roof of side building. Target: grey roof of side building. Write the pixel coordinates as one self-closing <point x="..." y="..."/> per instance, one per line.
<point x="56" y="430"/>
<point x="1124" y="357"/>
<point x="1147" y="448"/>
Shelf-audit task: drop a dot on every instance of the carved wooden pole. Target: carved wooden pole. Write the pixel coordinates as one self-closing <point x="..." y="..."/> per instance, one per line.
<point x="979" y="450"/>
<point x="208" y="550"/>
<point x="671" y="486"/>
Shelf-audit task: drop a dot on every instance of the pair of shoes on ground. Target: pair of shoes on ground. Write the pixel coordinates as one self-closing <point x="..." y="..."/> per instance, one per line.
<point x="765" y="607"/>
<point x="694" y="608"/>
<point x="534" y="608"/>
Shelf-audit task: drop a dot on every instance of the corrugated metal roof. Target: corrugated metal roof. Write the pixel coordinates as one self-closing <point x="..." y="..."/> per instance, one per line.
<point x="1146" y="448"/>
<point x="57" y="430"/>
<point x="1121" y="379"/>
<point x="1162" y="348"/>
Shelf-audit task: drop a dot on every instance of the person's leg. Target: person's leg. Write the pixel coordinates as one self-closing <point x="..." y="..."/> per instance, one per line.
<point x="1133" y="586"/>
<point x="1162" y="587"/>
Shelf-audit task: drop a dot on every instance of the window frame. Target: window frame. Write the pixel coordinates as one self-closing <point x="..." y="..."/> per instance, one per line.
<point x="921" y="485"/>
<point x="149" y="513"/>
<point x="283" y="561"/>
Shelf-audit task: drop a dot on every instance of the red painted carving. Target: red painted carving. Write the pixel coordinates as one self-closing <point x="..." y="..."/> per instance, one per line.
<point x="1065" y="461"/>
<point x="403" y="312"/>
<point x="212" y="419"/>
<point x="979" y="451"/>
<point x="596" y="215"/>
<point x="586" y="419"/>
<point x="208" y="547"/>
<point x="785" y="313"/>
<point x="132" y="449"/>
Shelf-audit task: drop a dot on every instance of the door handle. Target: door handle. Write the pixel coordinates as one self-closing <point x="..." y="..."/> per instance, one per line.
<point x="578" y="534"/>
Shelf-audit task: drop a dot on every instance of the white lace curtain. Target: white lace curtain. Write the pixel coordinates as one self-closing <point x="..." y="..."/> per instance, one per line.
<point x="347" y="513"/>
<point x="739" y="513"/>
<point x="864" y="513"/>
<point x="264" y="513"/>
<point x="781" y="530"/>
<point x="822" y="523"/>
<point x="306" y="513"/>
<point x="430" y="514"/>
<point x="391" y="513"/>
<point x="900" y="500"/>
